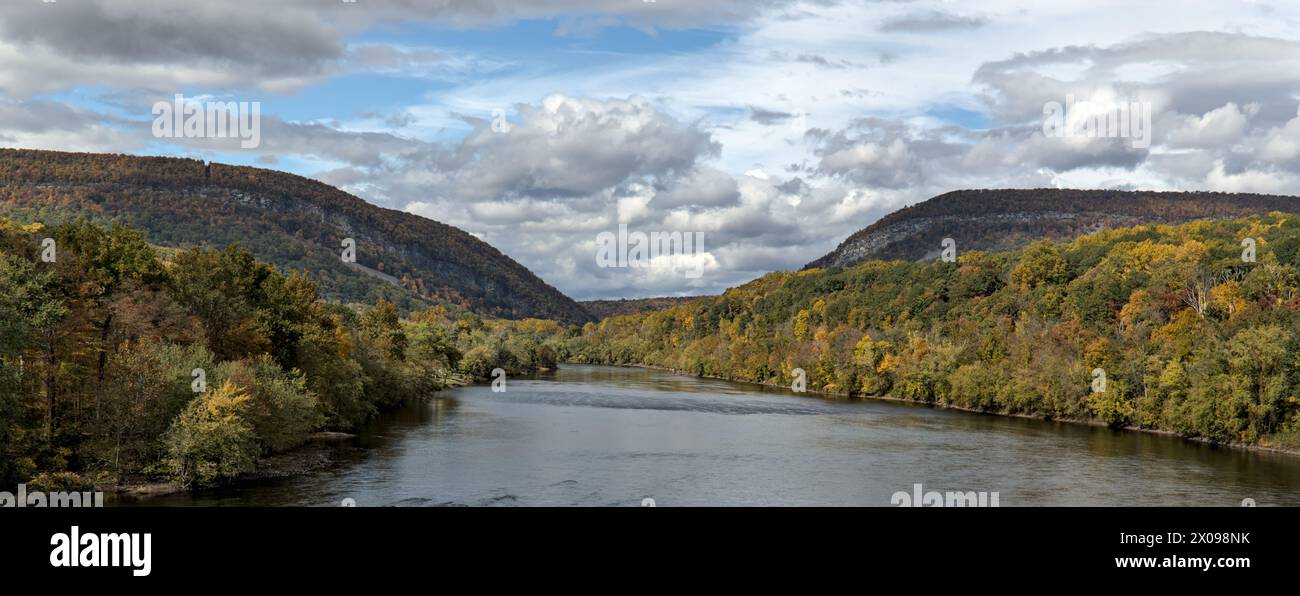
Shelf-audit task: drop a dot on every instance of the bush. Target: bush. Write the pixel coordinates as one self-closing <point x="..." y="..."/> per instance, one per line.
<point x="975" y="386"/>
<point x="60" y="482"/>
<point x="1112" y="406"/>
<point x="211" y="441"/>
<point x="479" y="361"/>
<point x="338" y="380"/>
<point x="146" y="385"/>
<point x="281" y="409"/>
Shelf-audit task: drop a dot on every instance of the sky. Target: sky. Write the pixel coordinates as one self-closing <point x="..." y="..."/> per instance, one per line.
<point x="774" y="128"/>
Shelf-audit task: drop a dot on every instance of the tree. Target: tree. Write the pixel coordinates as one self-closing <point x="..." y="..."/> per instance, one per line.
<point x="1262" y="358"/>
<point x="337" y="379"/>
<point x="147" y="385"/>
<point x="107" y="261"/>
<point x="211" y="441"/>
<point x="29" y="310"/>
<point x="222" y="288"/>
<point x="1040" y="265"/>
<point x="381" y="324"/>
<point x="28" y="304"/>
<point x="283" y="307"/>
<point x="281" y="410"/>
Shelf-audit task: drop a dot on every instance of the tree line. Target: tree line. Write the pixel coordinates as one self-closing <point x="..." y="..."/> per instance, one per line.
<point x="1195" y="329"/>
<point x="121" y="362"/>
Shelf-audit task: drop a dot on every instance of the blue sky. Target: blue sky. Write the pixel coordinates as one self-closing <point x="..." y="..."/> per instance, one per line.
<point x="775" y="127"/>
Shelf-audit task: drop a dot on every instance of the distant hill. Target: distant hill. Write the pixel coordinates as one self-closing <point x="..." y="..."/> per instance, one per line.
<point x="1007" y="219"/>
<point x="289" y="220"/>
<point x="603" y="309"/>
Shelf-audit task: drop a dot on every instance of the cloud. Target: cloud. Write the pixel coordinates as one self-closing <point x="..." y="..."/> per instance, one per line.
<point x="544" y="183"/>
<point x="571" y="147"/>
<point x="1282" y="143"/>
<point x="43" y="124"/>
<point x="155" y="44"/>
<point x="1186" y="72"/>
<point x="766" y="116"/>
<point x="926" y="22"/>
<point x="703" y="186"/>
<point x="1220" y="127"/>
<point x="782" y="134"/>
<point x="239" y="43"/>
<point x="1247" y="181"/>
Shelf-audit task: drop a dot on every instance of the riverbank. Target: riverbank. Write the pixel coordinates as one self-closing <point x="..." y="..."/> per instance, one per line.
<point x="318" y="453"/>
<point x="325" y="449"/>
<point x="589" y="435"/>
<point x="1290" y="451"/>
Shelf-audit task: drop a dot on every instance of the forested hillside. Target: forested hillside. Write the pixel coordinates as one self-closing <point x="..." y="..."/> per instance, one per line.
<point x="287" y="220"/>
<point x="602" y="309"/>
<point x="1007" y="219"/>
<point x="117" y="364"/>
<point x="1190" y="335"/>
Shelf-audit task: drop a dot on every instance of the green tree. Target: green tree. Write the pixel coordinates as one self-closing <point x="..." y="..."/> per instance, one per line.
<point x="223" y="288"/>
<point x="281" y="410"/>
<point x="147" y="385"/>
<point x="211" y="441"/>
<point x="1041" y="264"/>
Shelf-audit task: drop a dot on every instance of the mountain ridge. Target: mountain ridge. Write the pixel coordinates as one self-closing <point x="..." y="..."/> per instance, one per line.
<point x="1005" y="219"/>
<point x="290" y="220"/>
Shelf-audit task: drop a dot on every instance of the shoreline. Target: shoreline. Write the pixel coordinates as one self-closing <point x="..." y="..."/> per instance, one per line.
<point x="1292" y="452"/>
<point x="318" y="451"/>
<point x="315" y="454"/>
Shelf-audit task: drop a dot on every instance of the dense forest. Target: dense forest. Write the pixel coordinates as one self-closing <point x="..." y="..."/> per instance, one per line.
<point x="1183" y="329"/>
<point x="1008" y="219"/>
<point x="603" y="309"/>
<point x="120" y="362"/>
<point x="283" y="219"/>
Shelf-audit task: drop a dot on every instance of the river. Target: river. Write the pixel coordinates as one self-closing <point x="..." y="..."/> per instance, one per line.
<point x="595" y="435"/>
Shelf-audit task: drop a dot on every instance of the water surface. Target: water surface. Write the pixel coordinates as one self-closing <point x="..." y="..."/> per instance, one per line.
<point x="594" y="435"/>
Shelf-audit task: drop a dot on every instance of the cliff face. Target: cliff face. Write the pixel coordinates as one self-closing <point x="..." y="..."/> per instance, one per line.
<point x="294" y="222"/>
<point x="1006" y="219"/>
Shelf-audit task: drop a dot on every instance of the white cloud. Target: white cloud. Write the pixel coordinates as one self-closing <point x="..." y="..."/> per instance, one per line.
<point x="1282" y="143"/>
<point x="1247" y="181"/>
<point x="1220" y="127"/>
<point x="788" y="134"/>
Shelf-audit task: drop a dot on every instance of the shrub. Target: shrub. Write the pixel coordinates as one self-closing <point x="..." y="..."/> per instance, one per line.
<point x="281" y="409"/>
<point x="479" y="361"/>
<point x="60" y="482"/>
<point x="211" y="441"/>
